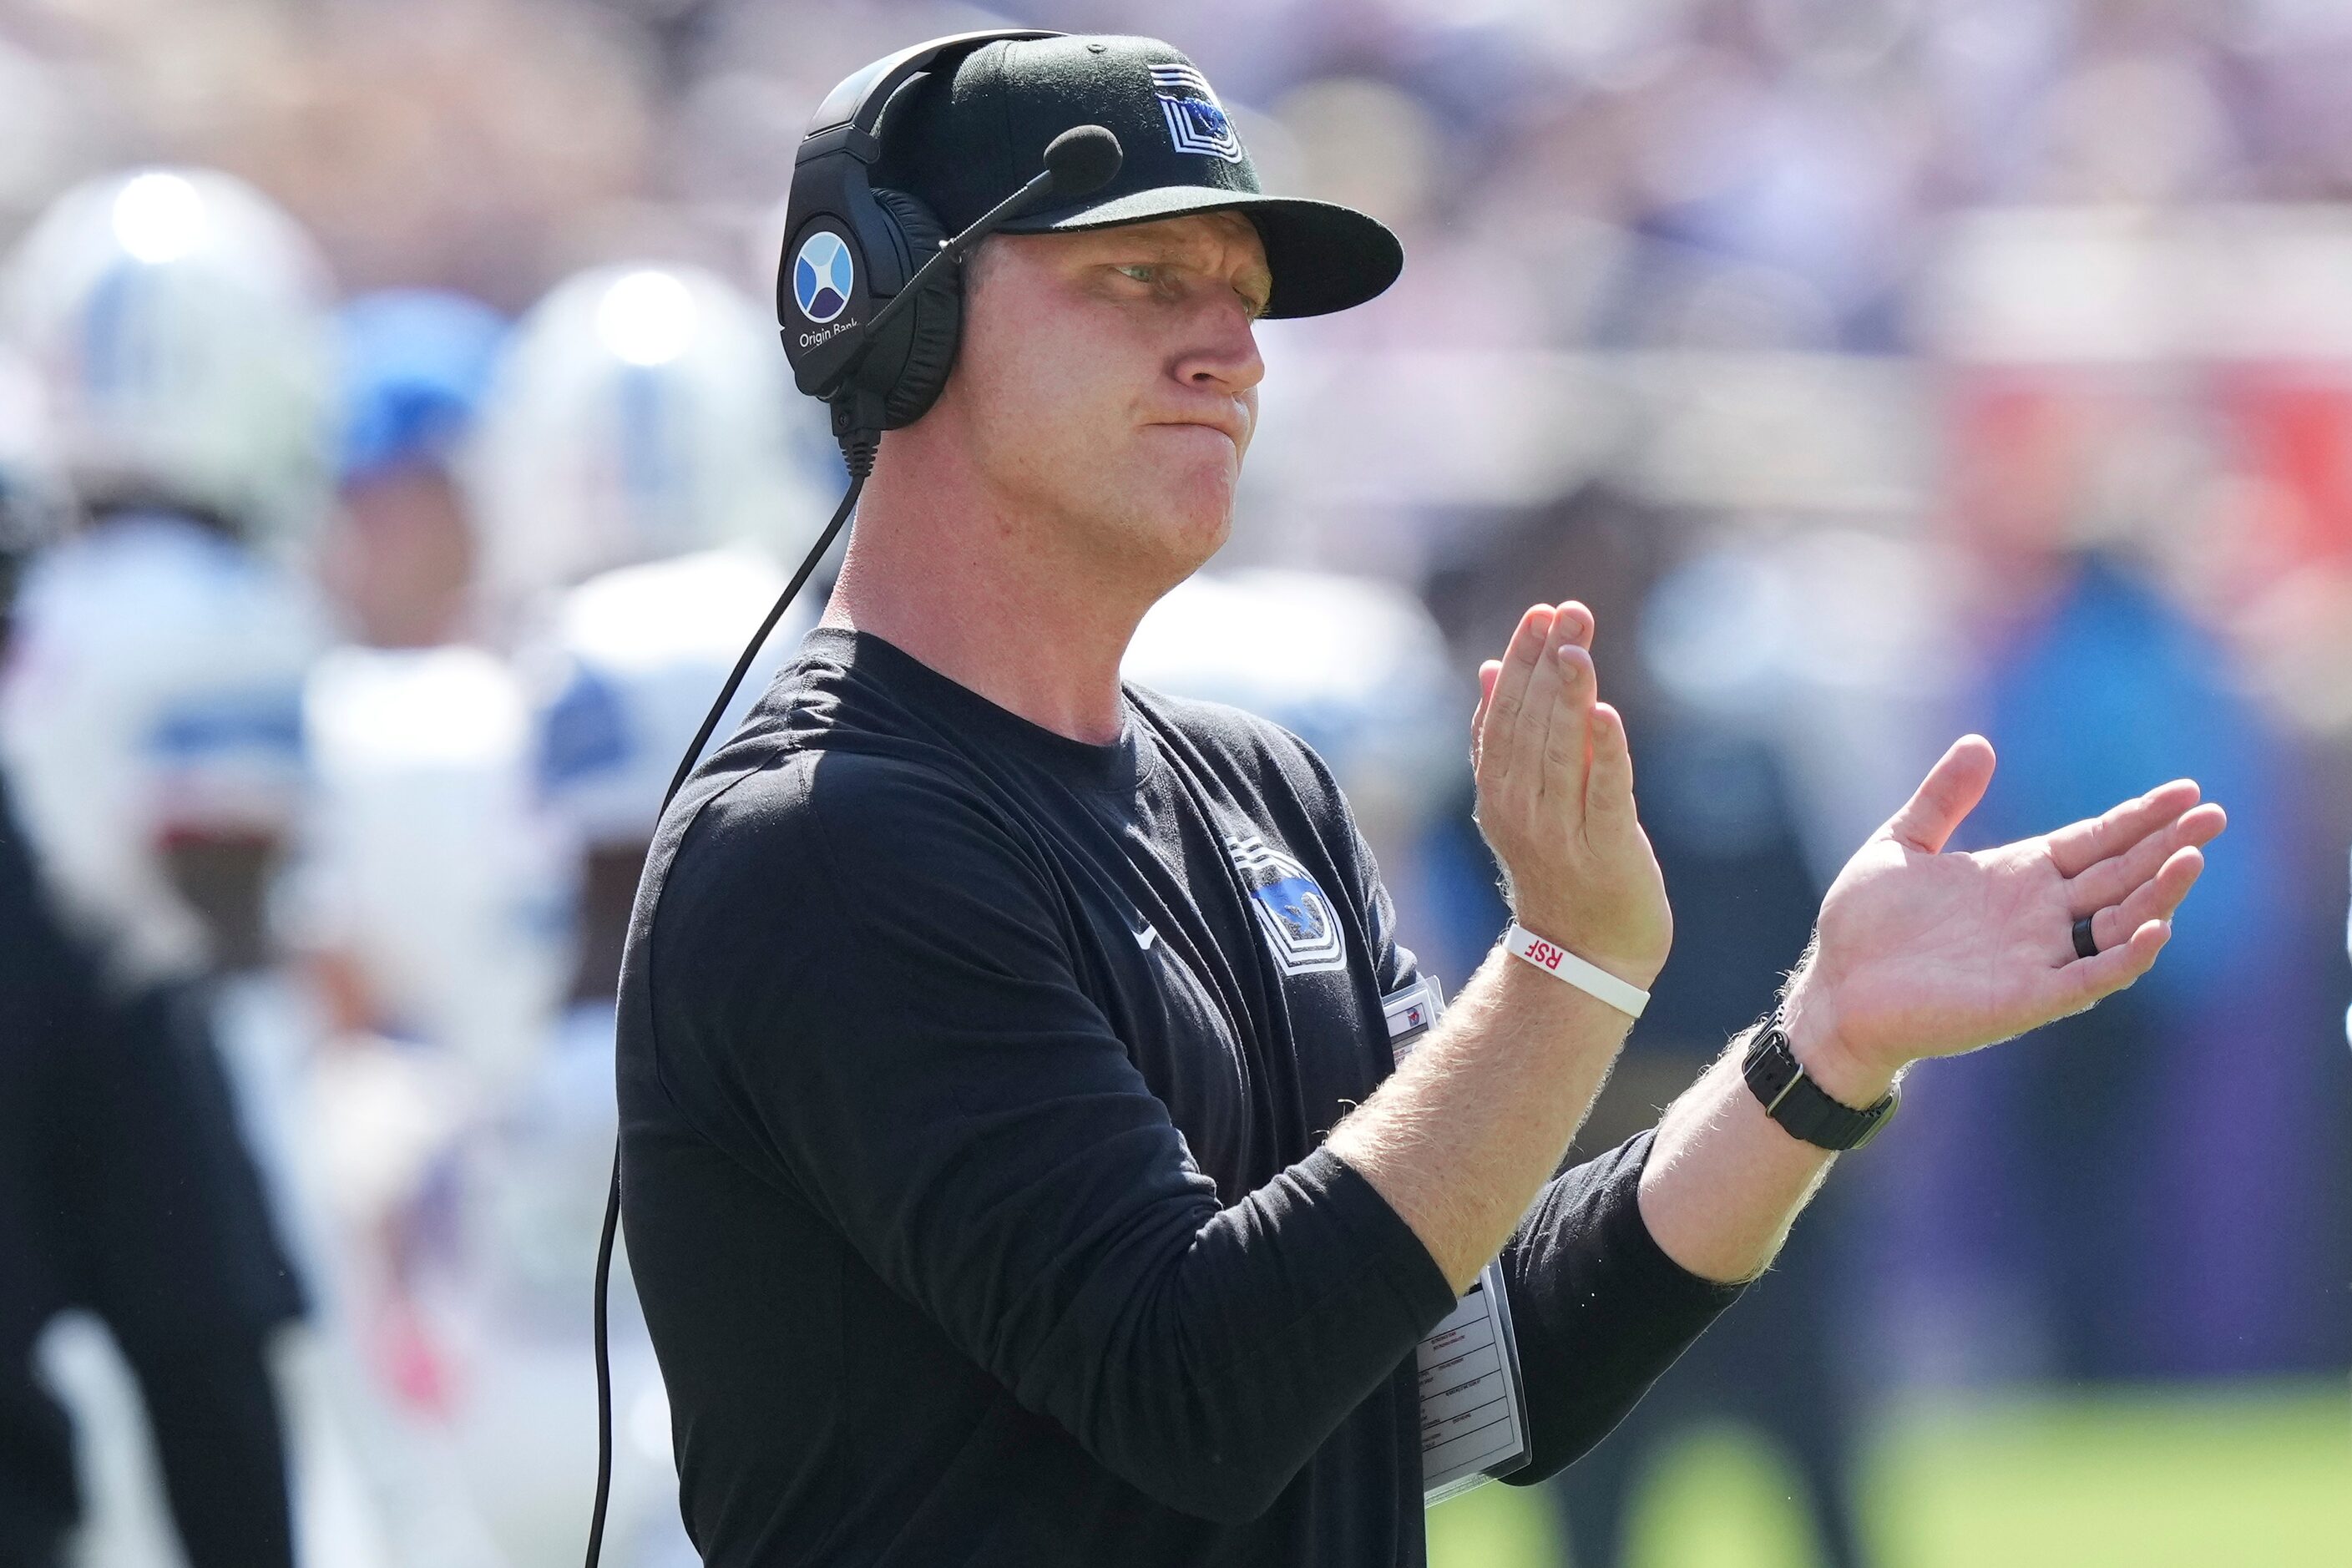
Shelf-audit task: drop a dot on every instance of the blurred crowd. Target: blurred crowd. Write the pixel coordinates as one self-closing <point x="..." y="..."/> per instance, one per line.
<point x="393" y="456"/>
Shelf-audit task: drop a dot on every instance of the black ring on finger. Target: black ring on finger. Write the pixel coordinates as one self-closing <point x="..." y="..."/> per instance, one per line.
<point x="2084" y="946"/>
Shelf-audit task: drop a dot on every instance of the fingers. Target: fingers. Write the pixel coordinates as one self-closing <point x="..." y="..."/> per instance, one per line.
<point x="1502" y="731"/>
<point x="1945" y="797"/>
<point x="2113" y="879"/>
<point x="2154" y="899"/>
<point x="1608" y="791"/>
<point x="1567" y="732"/>
<point x="2077" y="847"/>
<point x="1487" y="674"/>
<point x="1531" y="715"/>
<point x="2078" y="984"/>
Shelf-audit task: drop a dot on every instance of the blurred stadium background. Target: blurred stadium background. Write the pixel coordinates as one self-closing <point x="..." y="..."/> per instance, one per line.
<point x="1877" y="369"/>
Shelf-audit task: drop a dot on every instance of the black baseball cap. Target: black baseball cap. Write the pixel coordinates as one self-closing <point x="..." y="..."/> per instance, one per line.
<point x="964" y="141"/>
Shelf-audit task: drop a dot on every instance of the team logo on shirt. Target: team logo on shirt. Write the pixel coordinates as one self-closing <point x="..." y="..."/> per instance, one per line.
<point x="1196" y="121"/>
<point x="1302" y="928"/>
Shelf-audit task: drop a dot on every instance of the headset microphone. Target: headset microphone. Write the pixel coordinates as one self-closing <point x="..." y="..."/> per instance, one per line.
<point x="1078" y="163"/>
<point x="1083" y="159"/>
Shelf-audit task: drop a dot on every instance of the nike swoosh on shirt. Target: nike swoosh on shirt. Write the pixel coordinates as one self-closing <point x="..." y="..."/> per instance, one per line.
<point x="1146" y="937"/>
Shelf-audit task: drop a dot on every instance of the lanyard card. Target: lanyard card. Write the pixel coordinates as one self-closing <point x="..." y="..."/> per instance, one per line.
<point x="1474" y="1409"/>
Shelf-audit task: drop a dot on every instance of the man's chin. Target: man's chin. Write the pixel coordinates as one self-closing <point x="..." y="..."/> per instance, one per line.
<point x="1161" y="521"/>
<point x="1197" y="519"/>
<point x="1179" y="540"/>
<point x="1201" y="489"/>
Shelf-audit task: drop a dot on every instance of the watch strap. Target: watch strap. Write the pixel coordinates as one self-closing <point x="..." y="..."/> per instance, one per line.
<point x="1799" y="1105"/>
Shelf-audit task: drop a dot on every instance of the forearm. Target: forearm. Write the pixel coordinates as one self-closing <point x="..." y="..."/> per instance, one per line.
<point x="1725" y="1180"/>
<point x="1465" y="1135"/>
<point x="1601" y="1311"/>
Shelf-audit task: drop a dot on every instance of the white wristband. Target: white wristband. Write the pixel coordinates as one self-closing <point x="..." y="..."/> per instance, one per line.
<point x="1561" y="965"/>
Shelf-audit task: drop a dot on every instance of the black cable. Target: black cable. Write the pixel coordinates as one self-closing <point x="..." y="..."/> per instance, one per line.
<point x="752" y="649"/>
<point x="857" y="448"/>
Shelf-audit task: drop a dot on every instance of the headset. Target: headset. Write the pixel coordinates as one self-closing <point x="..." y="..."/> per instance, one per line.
<point x="876" y="374"/>
<point x="869" y="301"/>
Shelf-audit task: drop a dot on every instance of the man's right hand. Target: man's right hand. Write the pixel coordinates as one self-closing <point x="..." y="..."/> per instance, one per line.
<point x="1555" y="800"/>
<point x="1463" y="1136"/>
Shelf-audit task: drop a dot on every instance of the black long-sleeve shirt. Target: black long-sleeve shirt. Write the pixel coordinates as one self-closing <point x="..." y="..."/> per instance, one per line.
<point x="973" y="1081"/>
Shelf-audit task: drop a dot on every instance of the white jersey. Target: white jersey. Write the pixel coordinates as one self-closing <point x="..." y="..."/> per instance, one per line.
<point x="428" y="867"/>
<point x="154" y="688"/>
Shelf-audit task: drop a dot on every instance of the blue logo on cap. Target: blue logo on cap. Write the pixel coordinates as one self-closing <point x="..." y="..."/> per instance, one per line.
<point x="822" y="275"/>
<point x="1196" y="121"/>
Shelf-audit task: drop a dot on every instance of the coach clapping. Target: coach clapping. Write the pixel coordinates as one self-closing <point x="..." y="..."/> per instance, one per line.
<point x="1018" y="1166"/>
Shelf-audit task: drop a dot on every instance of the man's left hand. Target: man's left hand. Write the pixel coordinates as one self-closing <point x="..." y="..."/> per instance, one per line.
<point x="1922" y="952"/>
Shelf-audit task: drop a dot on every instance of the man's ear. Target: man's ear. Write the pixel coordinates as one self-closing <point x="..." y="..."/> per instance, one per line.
<point x="979" y="264"/>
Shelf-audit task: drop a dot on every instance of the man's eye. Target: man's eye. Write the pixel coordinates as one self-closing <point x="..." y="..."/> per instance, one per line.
<point x="1141" y="272"/>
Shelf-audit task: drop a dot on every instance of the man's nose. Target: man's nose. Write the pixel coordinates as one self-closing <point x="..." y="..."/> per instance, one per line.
<point x="1221" y="355"/>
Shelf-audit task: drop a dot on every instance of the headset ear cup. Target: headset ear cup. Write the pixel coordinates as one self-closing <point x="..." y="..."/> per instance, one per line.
<point x="932" y="321"/>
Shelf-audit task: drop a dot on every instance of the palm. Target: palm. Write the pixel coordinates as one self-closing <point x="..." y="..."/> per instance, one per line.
<point x="1924" y="953"/>
<point x="1922" y="945"/>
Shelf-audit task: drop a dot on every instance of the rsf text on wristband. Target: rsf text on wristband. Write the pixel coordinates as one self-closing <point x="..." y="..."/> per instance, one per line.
<point x="1561" y="965"/>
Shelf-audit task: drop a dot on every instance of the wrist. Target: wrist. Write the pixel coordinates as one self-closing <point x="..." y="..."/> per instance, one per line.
<point x="1809" y="1018"/>
<point x="1551" y="958"/>
<point x="1636" y="972"/>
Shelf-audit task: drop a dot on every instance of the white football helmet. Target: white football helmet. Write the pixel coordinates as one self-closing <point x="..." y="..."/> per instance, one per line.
<point x="642" y="413"/>
<point x="638" y="656"/>
<point x="178" y="321"/>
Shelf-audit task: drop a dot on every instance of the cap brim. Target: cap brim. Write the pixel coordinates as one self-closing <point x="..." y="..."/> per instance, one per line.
<point x="1324" y="256"/>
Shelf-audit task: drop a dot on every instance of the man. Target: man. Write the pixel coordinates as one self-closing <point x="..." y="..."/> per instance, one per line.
<point x="148" y="719"/>
<point x="1015" y="1166"/>
<point x="424" y="910"/>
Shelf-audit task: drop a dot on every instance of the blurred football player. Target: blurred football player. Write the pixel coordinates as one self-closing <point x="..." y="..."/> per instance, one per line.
<point x="429" y="916"/>
<point x="154" y="718"/>
<point x="174" y="320"/>
<point x="425" y="906"/>
<point x="151" y="732"/>
<point x="641" y="471"/>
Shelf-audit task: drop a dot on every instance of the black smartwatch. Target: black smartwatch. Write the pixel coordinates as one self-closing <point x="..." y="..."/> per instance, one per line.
<point x="1797" y="1104"/>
